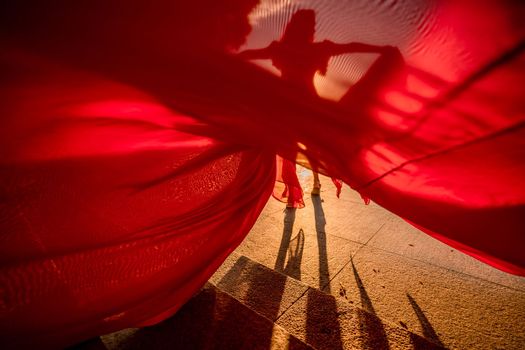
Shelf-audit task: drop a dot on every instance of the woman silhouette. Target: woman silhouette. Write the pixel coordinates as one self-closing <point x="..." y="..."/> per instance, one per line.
<point x="299" y="58"/>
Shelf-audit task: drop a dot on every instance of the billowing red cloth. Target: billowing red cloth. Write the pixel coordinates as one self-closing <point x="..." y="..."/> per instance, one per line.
<point x="137" y="149"/>
<point x="287" y="187"/>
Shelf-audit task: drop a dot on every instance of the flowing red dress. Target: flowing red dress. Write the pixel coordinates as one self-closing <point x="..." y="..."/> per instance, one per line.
<point x="135" y="150"/>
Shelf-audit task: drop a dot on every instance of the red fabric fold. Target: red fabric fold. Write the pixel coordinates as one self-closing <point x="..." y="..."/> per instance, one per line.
<point x="138" y="145"/>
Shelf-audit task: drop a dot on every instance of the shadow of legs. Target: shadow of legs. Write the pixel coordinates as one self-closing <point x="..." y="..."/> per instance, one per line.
<point x="293" y="266"/>
<point x="289" y="219"/>
<point x="322" y="324"/>
<point x="428" y="330"/>
<point x="320" y="223"/>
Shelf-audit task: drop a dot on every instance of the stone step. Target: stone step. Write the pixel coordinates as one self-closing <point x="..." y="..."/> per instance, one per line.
<point x="317" y="318"/>
<point x="246" y="305"/>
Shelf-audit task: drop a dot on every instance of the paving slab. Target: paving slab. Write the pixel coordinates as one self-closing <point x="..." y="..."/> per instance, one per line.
<point x="272" y="207"/>
<point x="354" y="221"/>
<point x="348" y="216"/>
<point x="295" y="243"/>
<point x="447" y="307"/>
<point x="397" y="236"/>
<point x="325" y="322"/>
<point x="269" y="294"/>
<point x="316" y="318"/>
<point x="409" y="278"/>
<point x="313" y="244"/>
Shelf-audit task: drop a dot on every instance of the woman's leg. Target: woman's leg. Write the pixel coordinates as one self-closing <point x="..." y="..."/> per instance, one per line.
<point x="316" y="190"/>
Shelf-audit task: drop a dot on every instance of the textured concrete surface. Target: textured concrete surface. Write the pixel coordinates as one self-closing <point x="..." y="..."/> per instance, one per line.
<point x="367" y="257"/>
<point x="310" y="315"/>
<point x="268" y="294"/>
<point x="324" y="322"/>
<point x="451" y="308"/>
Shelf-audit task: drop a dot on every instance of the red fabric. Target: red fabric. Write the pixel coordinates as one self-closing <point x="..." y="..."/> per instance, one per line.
<point x="287" y="187"/>
<point x="137" y="148"/>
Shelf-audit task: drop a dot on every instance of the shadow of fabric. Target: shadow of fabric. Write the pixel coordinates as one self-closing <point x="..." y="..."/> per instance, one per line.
<point x="296" y="247"/>
<point x="293" y="248"/>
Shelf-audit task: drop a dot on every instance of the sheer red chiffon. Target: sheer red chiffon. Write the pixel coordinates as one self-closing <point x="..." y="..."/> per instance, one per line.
<point x="137" y="148"/>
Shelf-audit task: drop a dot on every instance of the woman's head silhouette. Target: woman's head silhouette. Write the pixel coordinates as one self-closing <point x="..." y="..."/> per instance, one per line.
<point x="300" y="28"/>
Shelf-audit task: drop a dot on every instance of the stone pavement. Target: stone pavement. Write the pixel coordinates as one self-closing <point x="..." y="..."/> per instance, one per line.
<point x="374" y="260"/>
<point x="339" y="274"/>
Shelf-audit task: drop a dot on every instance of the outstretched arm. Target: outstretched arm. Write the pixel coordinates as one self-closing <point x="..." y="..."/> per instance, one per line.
<point x="338" y="49"/>
<point x="255" y="54"/>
